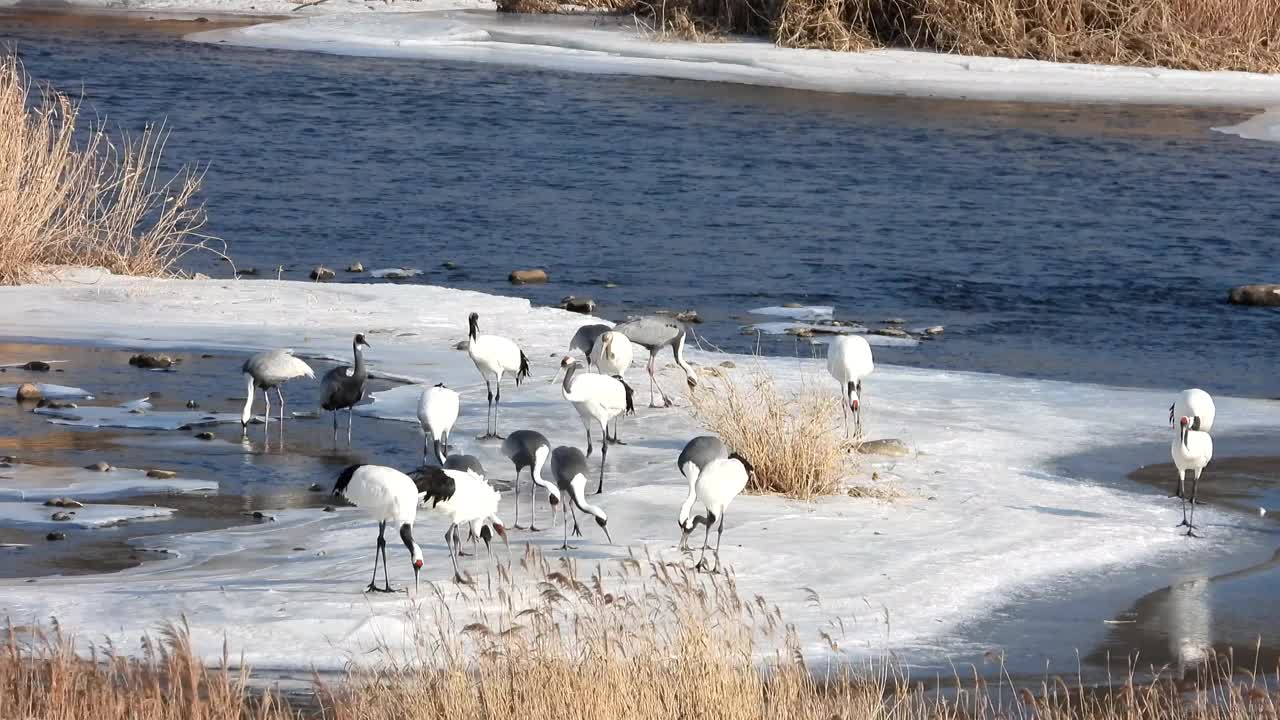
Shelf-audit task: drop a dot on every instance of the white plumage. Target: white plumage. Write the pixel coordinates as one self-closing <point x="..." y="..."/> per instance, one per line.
<point x="569" y="468"/>
<point x="388" y="496"/>
<point x="1193" y="403"/>
<point x="612" y="354"/>
<point x="465" y="499"/>
<point x="719" y="482"/>
<point x="1192" y="450"/>
<point x="267" y="370"/>
<point x="494" y="356"/>
<point x="697" y="454"/>
<point x="849" y="361"/>
<point x="437" y="412"/>
<point x="597" y="398"/>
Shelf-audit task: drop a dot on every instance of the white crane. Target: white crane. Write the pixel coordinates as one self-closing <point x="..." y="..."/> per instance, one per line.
<point x="1192" y="450"/>
<point x="697" y="454"/>
<point x="530" y="449"/>
<point x="585" y="339"/>
<point x="494" y="356"/>
<point x="654" y="333"/>
<point x="388" y="496"/>
<point x="612" y="354"/>
<point x="569" y="468"/>
<point x="718" y="484"/>
<point x="1197" y="405"/>
<point x="598" y="398"/>
<point x="465" y="499"/>
<point x="267" y="370"/>
<point x="343" y="386"/>
<point x="437" y="412"/>
<point x="849" y="361"/>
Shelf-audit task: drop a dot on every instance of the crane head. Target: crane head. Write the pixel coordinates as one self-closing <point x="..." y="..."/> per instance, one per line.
<point x="360" y="341"/>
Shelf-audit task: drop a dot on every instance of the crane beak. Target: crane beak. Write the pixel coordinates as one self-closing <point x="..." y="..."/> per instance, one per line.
<point x="606" y="534"/>
<point x="417" y="568"/>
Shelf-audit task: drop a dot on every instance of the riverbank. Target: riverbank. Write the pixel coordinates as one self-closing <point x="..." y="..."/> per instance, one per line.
<point x="983" y="515"/>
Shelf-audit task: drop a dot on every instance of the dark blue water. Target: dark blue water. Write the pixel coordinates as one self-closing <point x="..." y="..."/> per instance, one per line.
<point x="1079" y="243"/>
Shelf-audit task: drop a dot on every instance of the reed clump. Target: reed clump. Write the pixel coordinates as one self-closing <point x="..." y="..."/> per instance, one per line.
<point x="72" y="194"/>
<point x="789" y="435"/>
<point x="1184" y="34"/>
<point x="641" y="639"/>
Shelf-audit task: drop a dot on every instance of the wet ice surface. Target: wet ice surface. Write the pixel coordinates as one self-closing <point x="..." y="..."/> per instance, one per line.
<point x="39" y="516"/>
<point x="991" y="525"/>
<point x="49" y="391"/>
<point x="34" y="482"/>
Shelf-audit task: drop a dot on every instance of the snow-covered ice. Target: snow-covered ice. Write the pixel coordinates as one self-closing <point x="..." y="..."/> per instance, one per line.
<point x="21" y="481"/>
<point x="986" y="514"/>
<point x="803" y="312"/>
<point x="122" y="417"/>
<point x="611" y="46"/>
<point x="1259" y="127"/>
<point x="395" y="273"/>
<point x="48" y="391"/>
<point x="37" y="515"/>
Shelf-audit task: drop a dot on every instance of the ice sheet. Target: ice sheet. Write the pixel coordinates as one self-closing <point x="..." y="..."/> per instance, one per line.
<point x="985" y="515"/>
<point x="40" y="482"/>
<point x="614" y="46"/>
<point x="822" y="333"/>
<point x="395" y="273"/>
<point x="51" y="392"/>
<point x="36" y="515"/>
<point x="808" y="312"/>
<point x="1259" y="127"/>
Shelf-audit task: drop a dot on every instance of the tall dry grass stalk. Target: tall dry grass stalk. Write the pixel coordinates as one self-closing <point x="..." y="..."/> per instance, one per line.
<point x="646" y="639"/>
<point x="790" y="436"/>
<point x="68" y="198"/>
<point x="1185" y="34"/>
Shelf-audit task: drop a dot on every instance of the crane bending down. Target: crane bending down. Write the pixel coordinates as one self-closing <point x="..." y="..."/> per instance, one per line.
<point x="585" y="339"/>
<point x="569" y="468"/>
<point x="654" y="333"/>
<point x="698" y="453"/>
<point x="530" y="449"/>
<point x="388" y="496"/>
<point x="437" y="412"/>
<point x="598" y="398"/>
<point x="1192" y="450"/>
<point x="1197" y="405"/>
<point x="849" y="361"/>
<point x="267" y="370"/>
<point x="465" y="499"/>
<point x="494" y="356"/>
<point x="343" y="387"/>
<point x="612" y="354"/>
<point x="718" y="484"/>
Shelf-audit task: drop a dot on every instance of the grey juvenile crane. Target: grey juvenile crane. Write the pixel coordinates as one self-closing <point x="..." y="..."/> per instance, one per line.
<point x="654" y="333"/>
<point x="343" y="386"/>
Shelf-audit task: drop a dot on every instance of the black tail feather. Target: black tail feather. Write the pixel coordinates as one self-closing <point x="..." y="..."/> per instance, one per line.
<point x="434" y="483"/>
<point x="344" y="479"/>
<point x="631" y="405"/>
<point x="524" y="368"/>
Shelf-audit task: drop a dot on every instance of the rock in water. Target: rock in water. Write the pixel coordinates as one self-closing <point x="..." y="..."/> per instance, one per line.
<point x="322" y="273"/>
<point x="248" y="271"/>
<point x="891" y="447"/>
<point x="355" y="268"/>
<point x="934" y="330"/>
<point x="1265" y="295"/>
<point x="891" y="332"/>
<point x="689" y="316"/>
<point x="521" y="277"/>
<point x="27" y="391"/>
<point x="151" y="361"/>
<point x="60" y="516"/>
<point x="37" y="366"/>
<point x="55" y="536"/>
<point x="204" y="435"/>
<point x="586" y="306"/>
<point x="99" y="466"/>
<point x="161" y="474"/>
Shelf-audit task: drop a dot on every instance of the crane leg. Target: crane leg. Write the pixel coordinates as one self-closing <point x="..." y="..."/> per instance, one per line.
<point x="451" y="537"/>
<point x="719" y="534"/>
<point x="1191" y="523"/>
<point x="335" y="426"/>
<point x="351" y="414"/>
<point x="280" y="395"/>
<point x="382" y="550"/>
<point x="604" y="458"/>
<point x="577" y="531"/>
<point x="266" y="397"/>
<point x="1179" y="489"/>
<point x="518" y="526"/>
<point x="566" y="545"/>
<point x="706" y="542"/>
<point x="497" y="405"/>
<point x="844" y="410"/>
<point x="533" y="505"/>
<point x="1180" y="494"/>
<point x="458" y="543"/>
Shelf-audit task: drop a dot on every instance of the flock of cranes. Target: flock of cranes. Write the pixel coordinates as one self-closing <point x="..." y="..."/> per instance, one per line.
<point x="456" y="486"/>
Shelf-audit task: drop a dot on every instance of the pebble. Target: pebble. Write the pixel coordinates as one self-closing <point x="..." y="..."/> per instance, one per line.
<point x="99" y="466"/>
<point x="55" y="536"/>
<point x="329" y="508"/>
<point x="60" y="516"/>
<point x="27" y="391"/>
<point x="37" y="366"/>
<point x="728" y="364"/>
<point x="521" y="277"/>
<point x="689" y="316"/>
<point x="934" y="330"/>
<point x="355" y="267"/>
<point x="57" y="405"/>
<point x="72" y="504"/>
<point x="895" y="321"/>
<point x="449" y="265"/>
<point x="1265" y="295"/>
<point x="206" y="435"/>
<point x="322" y="273"/>
<point x="200" y="276"/>
<point x="192" y="404"/>
<point x="315" y="487"/>
<point x="161" y="474"/>
<point x="890" y="332"/>
<point x="586" y="306"/>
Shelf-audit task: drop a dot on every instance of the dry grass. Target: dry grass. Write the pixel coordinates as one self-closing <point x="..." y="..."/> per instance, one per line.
<point x="1186" y="34"/>
<point x="646" y="640"/>
<point x="90" y="200"/>
<point x="791" y="437"/>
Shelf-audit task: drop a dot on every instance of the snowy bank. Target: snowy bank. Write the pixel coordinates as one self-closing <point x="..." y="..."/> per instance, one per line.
<point x="614" y="46"/>
<point x="986" y="514"/>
